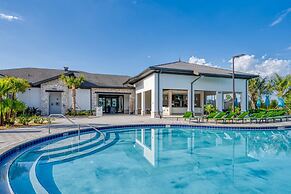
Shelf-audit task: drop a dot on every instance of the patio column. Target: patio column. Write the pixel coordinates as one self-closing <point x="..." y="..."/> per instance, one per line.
<point x="143" y="108"/>
<point x="192" y="103"/>
<point x="136" y="104"/>
<point x="219" y="100"/>
<point x="132" y="104"/>
<point x="170" y="94"/>
<point x="189" y="103"/>
<point x="243" y="101"/>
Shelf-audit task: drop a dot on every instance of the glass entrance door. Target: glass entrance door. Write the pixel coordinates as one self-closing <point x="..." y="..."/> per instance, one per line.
<point x="111" y="104"/>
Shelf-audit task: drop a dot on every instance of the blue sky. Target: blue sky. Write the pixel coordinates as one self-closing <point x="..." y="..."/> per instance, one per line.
<point x="126" y="36"/>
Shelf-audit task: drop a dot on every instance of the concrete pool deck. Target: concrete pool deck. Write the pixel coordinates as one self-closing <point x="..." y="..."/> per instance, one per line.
<point x="12" y="137"/>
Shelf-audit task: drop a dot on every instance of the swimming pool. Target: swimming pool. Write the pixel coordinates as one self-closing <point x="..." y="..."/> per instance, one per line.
<point x="157" y="160"/>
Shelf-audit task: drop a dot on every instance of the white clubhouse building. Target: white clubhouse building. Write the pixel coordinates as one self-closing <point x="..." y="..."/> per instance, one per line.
<point x="160" y="90"/>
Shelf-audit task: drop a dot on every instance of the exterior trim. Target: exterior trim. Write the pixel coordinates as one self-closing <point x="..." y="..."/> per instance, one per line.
<point x="54" y="90"/>
<point x="153" y="69"/>
<point x="113" y="93"/>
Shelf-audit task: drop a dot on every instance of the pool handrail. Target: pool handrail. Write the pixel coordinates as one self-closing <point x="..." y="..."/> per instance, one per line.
<point x="74" y="123"/>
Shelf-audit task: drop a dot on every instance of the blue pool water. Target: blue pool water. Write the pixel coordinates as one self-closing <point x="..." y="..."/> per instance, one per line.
<point x="159" y="160"/>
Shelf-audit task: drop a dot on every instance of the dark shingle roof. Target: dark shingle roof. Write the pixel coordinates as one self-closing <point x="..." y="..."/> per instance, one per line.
<point x="36" y="76"/>
<point x="185" y="68"/>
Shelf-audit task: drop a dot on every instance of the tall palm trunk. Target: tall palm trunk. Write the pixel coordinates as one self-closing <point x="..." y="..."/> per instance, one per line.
<point x="12" y="113"/>
<point x="253" y="102"/>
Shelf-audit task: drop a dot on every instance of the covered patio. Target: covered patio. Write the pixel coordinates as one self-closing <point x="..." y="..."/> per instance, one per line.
<point x="177" y="102"/>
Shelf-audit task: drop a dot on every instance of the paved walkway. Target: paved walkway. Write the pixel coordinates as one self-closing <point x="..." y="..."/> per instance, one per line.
<point x="12" y="137"/>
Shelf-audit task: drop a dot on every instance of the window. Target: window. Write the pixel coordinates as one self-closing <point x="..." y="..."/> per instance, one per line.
<point x="210" y="98"/>
<point x="227" y="100"/>
<point x="179" y="100"/>
<point x="197" y="101"/>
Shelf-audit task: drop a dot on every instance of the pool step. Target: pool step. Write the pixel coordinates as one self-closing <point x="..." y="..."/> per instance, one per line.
<point x="76" y="153"/>
<point x="72" y="150"/>
<point x="69" y="143"/>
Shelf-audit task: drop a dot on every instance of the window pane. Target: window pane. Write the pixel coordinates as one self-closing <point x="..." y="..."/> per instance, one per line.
<point x="179" y="100"/>
<point x="227" y="100"/>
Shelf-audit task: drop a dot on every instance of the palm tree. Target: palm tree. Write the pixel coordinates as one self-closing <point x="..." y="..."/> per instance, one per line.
<point x="257" y="87"/>
<point x="9" y="106"/>
<point x="18" y="85"/>
<point x="4" y="89"/>
<point x="73" y="83"/>
<point x="282" y="87"/>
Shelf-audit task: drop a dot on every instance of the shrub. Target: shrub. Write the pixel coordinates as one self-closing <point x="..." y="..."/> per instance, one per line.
<point x="38" y="119"/>
<point x="32" y="111"/>
<point x="273" y="104"/>
<point x="209" y="108"/>
<point x="237" y="110"/>
<point x="78" y="113"/>
<point x="24" y="119"/>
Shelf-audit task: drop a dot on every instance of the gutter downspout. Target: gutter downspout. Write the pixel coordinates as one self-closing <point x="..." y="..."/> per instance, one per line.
<point x="192" y="91"/>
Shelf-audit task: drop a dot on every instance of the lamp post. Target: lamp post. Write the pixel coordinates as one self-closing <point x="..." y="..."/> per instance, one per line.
<point x="233" y="82"/>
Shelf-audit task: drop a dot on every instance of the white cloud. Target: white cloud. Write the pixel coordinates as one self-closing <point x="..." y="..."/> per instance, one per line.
<point x="289" y="48"/>
<point x="199" y="61"/>
<point x="281" y="17"/>
<point x="262" y="66"/>
<point x="9" y="17"/>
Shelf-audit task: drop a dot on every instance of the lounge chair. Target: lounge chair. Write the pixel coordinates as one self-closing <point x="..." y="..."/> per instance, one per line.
<point x="198" y="119"/>
<point x="229" y="117"/>
<point x="219" y="116"/>
<point x="187" y="115"/>
<point x="241" y="117"/>
<point x="257" y="117"/>
<point x="275" y="115"/>
<point x="210" y="116"/>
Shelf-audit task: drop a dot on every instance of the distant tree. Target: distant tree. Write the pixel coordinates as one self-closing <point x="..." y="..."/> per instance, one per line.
<point x="73" y="83"/>
<point x="273" y="104"/>
<point x="281" y="86"/>
<point x="257" y="87"/>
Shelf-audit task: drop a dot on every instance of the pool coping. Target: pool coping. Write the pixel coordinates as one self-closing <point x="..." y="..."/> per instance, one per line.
<point x="16" y="150"/>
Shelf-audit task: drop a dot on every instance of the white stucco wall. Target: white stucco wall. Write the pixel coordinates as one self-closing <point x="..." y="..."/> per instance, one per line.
<point x="222" y="85"/>
<point x="31" y="97"/>
<point x="183" y="82"/>
<point x="149" y="83"/>
<point x="82" y="99"/>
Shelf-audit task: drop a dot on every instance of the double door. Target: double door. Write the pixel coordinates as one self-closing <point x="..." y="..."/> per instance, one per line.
<point x="111" y="104"/>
